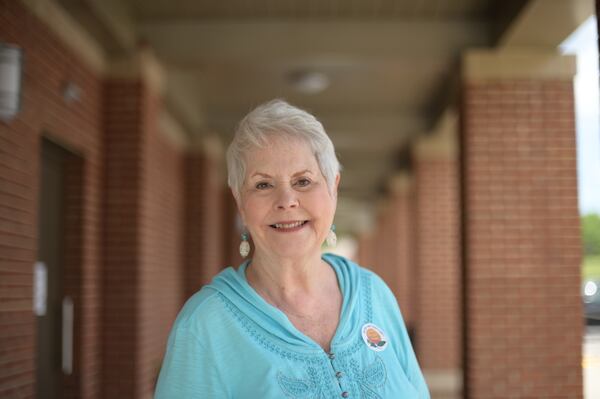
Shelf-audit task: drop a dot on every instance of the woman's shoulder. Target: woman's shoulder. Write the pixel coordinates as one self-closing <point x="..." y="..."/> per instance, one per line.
<point x="204" y="306"/>
<point x="198" y="307"/>
<point x="352" y="267"/>
<point x="361" y="275"/>
<point x="343" y="262"/>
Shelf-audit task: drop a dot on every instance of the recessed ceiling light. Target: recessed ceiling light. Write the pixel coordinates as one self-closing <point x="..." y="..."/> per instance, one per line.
<point x="309" y="82"/>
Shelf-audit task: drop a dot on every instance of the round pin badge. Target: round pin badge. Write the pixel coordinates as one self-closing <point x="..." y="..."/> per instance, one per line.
<point x="374" y="337"/>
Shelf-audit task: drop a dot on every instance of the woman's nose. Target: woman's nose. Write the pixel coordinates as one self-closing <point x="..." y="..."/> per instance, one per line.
<point x="286" y="199"/>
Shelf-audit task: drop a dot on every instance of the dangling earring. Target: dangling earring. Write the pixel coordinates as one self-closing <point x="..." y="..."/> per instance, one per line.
<point x="244" y="245"/>
<point x="331" y="237"/>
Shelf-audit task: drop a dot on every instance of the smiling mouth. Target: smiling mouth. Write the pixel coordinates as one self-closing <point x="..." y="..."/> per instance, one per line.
<point x="289" y="226"/>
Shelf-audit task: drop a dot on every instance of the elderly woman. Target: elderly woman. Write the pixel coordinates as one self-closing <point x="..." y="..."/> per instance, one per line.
<point x="291" y="322"/>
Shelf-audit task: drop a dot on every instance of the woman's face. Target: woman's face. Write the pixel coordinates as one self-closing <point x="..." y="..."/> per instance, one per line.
<point x="285" y="202"/>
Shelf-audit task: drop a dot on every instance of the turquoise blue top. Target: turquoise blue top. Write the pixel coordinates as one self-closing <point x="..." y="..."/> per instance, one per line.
<point x="228" y="342"/>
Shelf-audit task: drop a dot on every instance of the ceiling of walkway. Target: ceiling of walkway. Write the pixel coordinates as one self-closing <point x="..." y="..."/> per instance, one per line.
<point x="390" y="65"/>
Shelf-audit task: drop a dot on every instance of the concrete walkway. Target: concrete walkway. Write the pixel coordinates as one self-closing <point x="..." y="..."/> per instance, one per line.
<point x="591" y="362"/>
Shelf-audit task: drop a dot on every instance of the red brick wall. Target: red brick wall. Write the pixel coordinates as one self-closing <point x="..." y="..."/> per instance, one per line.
<point x="204" y="221"/>
<point x="402" y="253"/>
<point x="76" y="126"/>
<point x="366" y="249"/>
<point x="144" y="244"/>
<point x="142" y="237"/>
<point x="384" y="240"/>
<point x="126" y="107"/>
<point x="437" y="259"/>
<point x="390" y="250"/>
<point x="522" y="248"/>
<point x="231" y="232"/>
<point x="162" y="272"/>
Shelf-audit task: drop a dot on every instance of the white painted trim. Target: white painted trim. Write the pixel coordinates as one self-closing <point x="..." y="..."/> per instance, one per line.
<point x="211" y="145"/>
<point x="143" y="65"/>
<point x="546" y="24"/>
<point x="524" y="63"/>
<point x="170" y="128"/>
<point x="400" y="183"/>
<point x="442" y="142"/>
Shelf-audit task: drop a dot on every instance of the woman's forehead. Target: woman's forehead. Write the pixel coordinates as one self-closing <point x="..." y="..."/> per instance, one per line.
<point x="281" y="157"/>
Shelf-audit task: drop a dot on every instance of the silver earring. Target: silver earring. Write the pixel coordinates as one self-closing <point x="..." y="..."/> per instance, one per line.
<point x="244" y="245"/>
<point x="331" y="237"/>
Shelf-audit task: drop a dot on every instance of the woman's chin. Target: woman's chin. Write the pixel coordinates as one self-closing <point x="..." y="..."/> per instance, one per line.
<point x="298" y="244"/>
<point x="294" y="250"/>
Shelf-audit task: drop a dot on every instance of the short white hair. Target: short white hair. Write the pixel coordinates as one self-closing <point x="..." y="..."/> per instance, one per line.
<point x="278" y="118"/>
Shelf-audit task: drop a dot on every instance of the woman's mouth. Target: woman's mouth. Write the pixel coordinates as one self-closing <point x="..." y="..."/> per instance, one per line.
<point x="289" y="226"/>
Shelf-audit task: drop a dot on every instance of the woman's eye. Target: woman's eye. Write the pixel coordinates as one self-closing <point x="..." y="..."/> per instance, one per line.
<point x="303" y="182"/>
<point x="262" y="185"/>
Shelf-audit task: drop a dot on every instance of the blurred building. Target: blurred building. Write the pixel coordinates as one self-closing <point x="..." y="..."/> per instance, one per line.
<point x="454" y="121"/>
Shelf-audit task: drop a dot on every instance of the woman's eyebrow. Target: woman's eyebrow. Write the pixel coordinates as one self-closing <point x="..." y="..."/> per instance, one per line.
<point x="260" y="174"/>
<point x="302" y="172"/>
<point x="294" y="175"/>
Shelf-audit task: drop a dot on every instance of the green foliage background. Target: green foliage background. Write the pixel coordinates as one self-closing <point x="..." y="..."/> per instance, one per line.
<point x="590" y="226"/>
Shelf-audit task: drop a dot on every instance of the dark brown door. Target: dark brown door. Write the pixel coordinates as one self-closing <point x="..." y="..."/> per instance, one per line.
<point x="49" y="273"/>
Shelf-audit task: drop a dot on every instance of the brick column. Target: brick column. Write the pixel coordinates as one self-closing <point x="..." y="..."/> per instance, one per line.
<point x="437" y="257"/>
<point x="522" y="237"/>
<point x="205" y="215"/>
<point x="401" y="206"/>
<point x="163" y="214"/>
<point x="143" y="227"/>
<point x="383" y="241"/>
<point x="126" y="108"/>
<point x="231" y="230"/>
<point x="365" y="253"/>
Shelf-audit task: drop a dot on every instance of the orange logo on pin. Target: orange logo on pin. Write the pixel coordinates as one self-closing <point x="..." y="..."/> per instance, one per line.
<point x="374" y="337"/>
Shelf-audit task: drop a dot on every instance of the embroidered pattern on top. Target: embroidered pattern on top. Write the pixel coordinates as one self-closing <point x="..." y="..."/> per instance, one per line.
<point x="370" y="379"/>
<point x="364" y="382"/>
<point x="303" y="388"/>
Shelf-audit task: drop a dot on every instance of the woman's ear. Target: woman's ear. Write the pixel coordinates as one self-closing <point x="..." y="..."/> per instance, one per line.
<point x="238" y="204"/>
<point x="336" y="185"/>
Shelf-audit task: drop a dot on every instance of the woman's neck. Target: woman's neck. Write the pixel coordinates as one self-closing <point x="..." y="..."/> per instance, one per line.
<point x="290" y="284"/>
